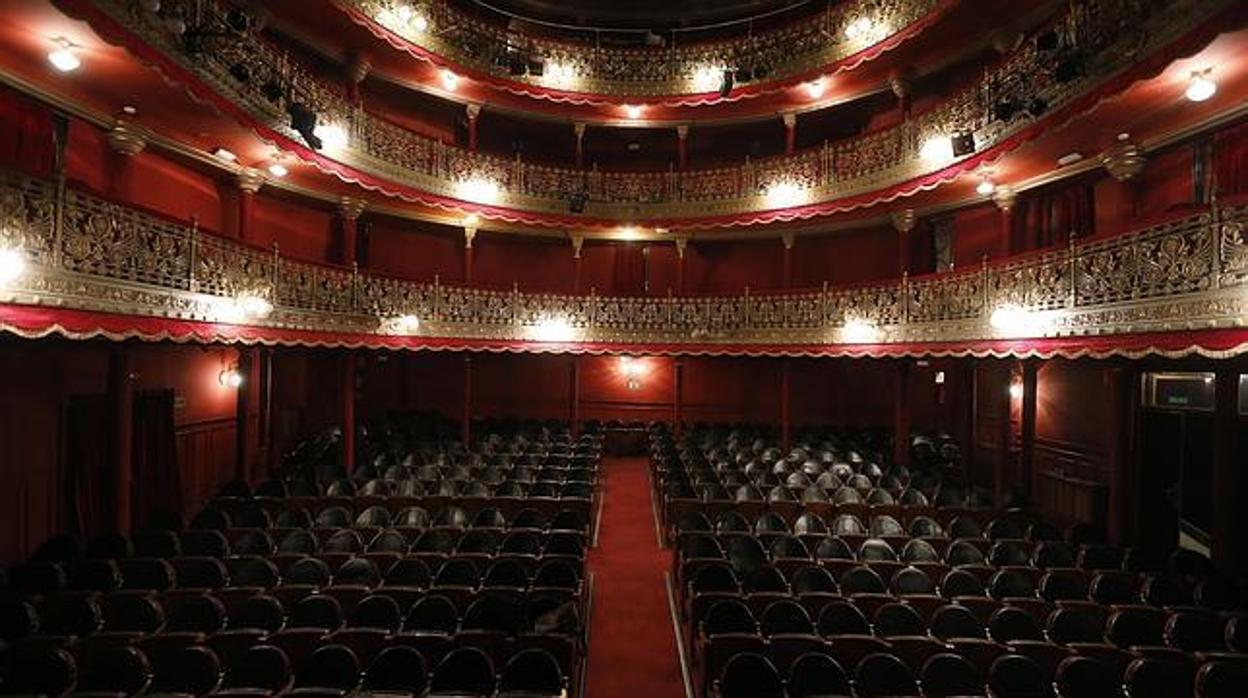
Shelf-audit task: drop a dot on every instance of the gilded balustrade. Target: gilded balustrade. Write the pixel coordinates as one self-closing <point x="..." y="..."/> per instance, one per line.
<point x="88" y="254"/>
<point x="1103" y="45"/>
<point x="594" y="68"/>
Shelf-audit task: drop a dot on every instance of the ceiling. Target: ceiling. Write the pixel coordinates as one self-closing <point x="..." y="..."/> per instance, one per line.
<point x="660" y="16"/>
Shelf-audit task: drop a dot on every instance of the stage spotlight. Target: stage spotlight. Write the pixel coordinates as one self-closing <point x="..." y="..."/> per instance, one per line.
<point x="241" y="72"/>
<point x="744" y="75"/>
<point x="1200" y="87"/>
<point x="537" y="67"/>
<point x="63" y="58"/>
<point x="303" y="120"/>
<point x="238" y="20"/>
<point x="1005" y="109"/>
<point x="725" y="85"/>
<point x="962" y="143"/>
<point x="761" y="72"/>
<point x="1047" y="41"/>
<point x="1068" y="69"/>
<point x="577" y="201"/>
<point x="12" y="265"/>
<point x="273" y="91"/>
<point x="1037" y="106"/>
<point x="517" y="65"/>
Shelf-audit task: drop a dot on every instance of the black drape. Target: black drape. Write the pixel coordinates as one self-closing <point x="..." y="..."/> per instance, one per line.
<point x="88" y="466"/>
<point x="156" y="485"/>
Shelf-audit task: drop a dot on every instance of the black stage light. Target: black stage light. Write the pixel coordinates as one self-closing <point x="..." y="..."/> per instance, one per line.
<point x="273" y="91"/>
<point x="303" y="120"/>
<point x="238" y="20"/>
<point x="517" y="65"/>
<point x="1068" y="69"/>
<point x="195" y="41"/>
<point x="577" y="201"/>
<point x="1047" y="41"/>
<point x="963" y="143"/>
<point x="537" y="67"/>
<point x="725" y="87"/>
<point x="1037" y="106"/>
<point x="1005" y="109"/>
<point x="241" y="72"/>
<point x="761" y="72"/>
<point x="744" y="74"/>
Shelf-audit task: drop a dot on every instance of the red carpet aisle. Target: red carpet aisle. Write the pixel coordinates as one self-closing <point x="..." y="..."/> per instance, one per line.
<point x="632" y="649"/>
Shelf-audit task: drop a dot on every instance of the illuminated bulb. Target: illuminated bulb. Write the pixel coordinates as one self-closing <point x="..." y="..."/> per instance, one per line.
<point x="1201" y="88"/>
<point x="403" y="13"/>
<point x="449" y="80"/>
<point x="859" y="332"/>
<point x="333" y="137"/>
<point x="629" y="232"/>
<point x="784" y="195"/>
<point x="553" y="329"/>
<point x="63" y="58"/>
<point x="478" y="190"/>
<point x="937" y="149"/>
<point x="254" y="306"/>
<point x="278" y="170"/>
<point x="420" y="23"/>
<point x="1016" y="391"/>
<point x="985" y="187"/>
<point x="707" y="78"/>
<point x="815" y="88"/>
<point x="12" y="265"/>
<point x="472" y="220"/>
<point x="633" y="111"/>
<point x="859" y="28"/>
<point x="561" y="73"/>
<point x="940" y="378"/>
<point x="224" y="155"/>
<point x="230" y="378"/>
<point x="1008" y="318"/>
<point x="407" y="324"/>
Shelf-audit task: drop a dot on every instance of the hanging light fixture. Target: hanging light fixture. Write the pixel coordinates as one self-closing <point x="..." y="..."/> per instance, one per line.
<point x="1200" y="86"/>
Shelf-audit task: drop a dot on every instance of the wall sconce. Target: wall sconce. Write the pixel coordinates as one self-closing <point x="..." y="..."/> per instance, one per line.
<point x="632" y="370"/>
<point x="1016" y="390"/>
<point x="12" y="265"/>
<point x="940" y="378"/>
<point x="230" y="377"/>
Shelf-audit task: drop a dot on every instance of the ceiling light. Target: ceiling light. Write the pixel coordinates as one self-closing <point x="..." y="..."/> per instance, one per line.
<point x="1200" y="87"/>
<point x="859" y="29"/>
<point x="784" y="194"/>
<point x="707" y="78"/>
<point x="629" y="232"/>
<point x="333" y="137"/>
<point x="633" y="111"/>
<point x="1069" y="159"/>
<point x="479" y="190"/>
<point x="449" y="79"/>
<point x="815" y="88"/>
<point x="1015" y="321"/>
<point x="937" y="150"/>
<point x="12" y="265"/>
<point x="986" y="186"/>
<point x="856" y="331"/>
<point x="230" y="378"/>
<point x="278" y="170"/>
<point x="225" y="155"/>
<point x="553" y="329"/>
<point x="64" y="58"/>
<point x="407" y="324"/>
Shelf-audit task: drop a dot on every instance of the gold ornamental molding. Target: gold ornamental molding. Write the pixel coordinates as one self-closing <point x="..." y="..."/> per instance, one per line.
<point x="86" y="254"/>
<point x="1003" y="109"/>
<point x="443" y="34"/>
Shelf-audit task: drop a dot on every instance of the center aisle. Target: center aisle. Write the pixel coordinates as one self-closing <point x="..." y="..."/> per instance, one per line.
<point x="632" y="646"/>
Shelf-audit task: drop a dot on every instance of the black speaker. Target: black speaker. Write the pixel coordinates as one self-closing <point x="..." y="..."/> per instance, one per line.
<point x="963" y="144"/>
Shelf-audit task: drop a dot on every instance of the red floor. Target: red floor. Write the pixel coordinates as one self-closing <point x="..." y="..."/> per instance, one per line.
<point x="632" y="648"/>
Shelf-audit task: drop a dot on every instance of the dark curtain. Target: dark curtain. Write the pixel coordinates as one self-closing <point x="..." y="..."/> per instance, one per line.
<point x="1230" y="160"/>
<point x="27" y="130"/>
<point x="88" y="466"/>
<point x="1050" y="217"/>
<point x="156" y="486"/>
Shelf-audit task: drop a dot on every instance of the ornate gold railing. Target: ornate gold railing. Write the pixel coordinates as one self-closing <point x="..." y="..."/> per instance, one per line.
<point x="592" y="68"/>
<point x="89" y="254"/>
<point x="1104" y="37"/>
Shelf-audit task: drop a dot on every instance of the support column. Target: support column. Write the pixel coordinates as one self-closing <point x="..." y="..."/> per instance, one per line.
<point x="901" y="412"/>
<point x="1226" y="544"/>
<point x="242" y="410"/>
<point x="790" y="132"/>
<point x="678" y="396"/>
<point x="579" y="129"/>
<point x="473" y="111"/>
<point x="682" y="146"/>
<point x="1005" y="440"/>
<point x="574" y="395"/>
<point x="1005" y="197"/>
<point x="349" y="211"/>
<point x="1027" y="429"/>
<point x="682" y="242"/>
<point x="265" y="428"/>
<point x="470" y="232"/>
<point x="121" y="399"/>
<point x="786" y="271"/>
<point x="578" y="241"/>
<point x="125" y="142"/>
<point x="786" y="425"/>
<point x="347" y="395"/>
<point x="1121" y="385"/>
<point x="465" y="427"/>
<point x="249" y="182"/>
<point x="903" y="223"/>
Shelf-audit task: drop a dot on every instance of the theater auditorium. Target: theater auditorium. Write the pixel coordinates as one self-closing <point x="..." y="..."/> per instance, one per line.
<point x="624" y="348"/>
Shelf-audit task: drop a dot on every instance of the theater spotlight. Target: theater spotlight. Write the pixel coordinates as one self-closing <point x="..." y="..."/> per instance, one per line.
<point x="1037" y="106"/>
<point x="1005" y="109"/>
<point x="303" y="120"/>
<point x="577" y="201"/>
<point x="963" y="143"/>
<point x="726" y="84"/>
